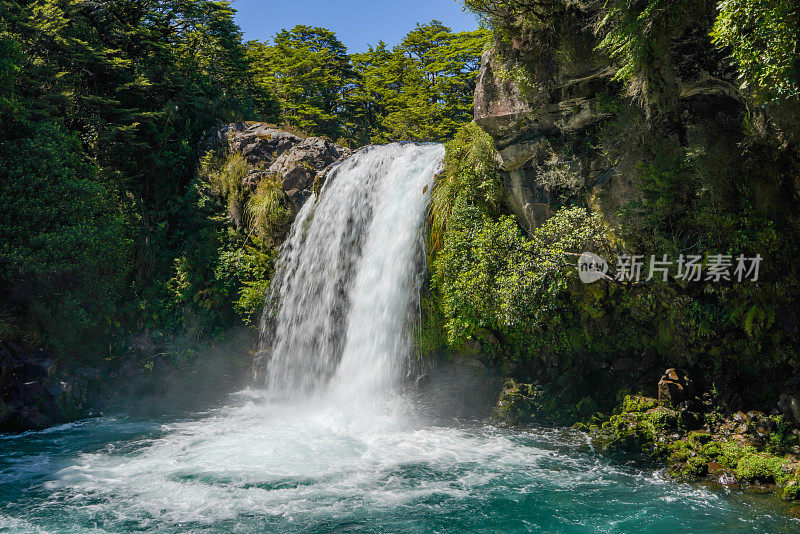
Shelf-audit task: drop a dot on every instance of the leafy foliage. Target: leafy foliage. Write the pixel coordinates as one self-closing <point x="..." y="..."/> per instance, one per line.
<point x="470" y="174"/>
<point x="419" y="90"/>
<point x="309" y="70"/>
<point x="638" y="35"/>
<point x="763" y="39"/>
<point x="267" y="210"/>
<point x="491" y="277"/>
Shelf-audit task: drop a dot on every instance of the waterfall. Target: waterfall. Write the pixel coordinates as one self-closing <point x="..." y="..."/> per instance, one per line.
<point x="348" y="276"/>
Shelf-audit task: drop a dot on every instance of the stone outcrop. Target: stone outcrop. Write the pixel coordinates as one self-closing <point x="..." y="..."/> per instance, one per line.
<point x="298" y="167"/>
<point x="525" y="127"/>
<point x="271" y="151"/>
<point x="33" y="394"/>
<point x="512" y="117"/>
<point x="674" y="388"/>
<point x="546" y="115"/>
<point x="789" y="406"/>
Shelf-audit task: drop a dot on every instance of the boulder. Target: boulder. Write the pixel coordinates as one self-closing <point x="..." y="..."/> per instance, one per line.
<point x="59" y="389"/>
<point x="760" y="424"/>
<point x="268" y="146"/>
<point x="28" y="418"/>
<point x="35" y="394"/>
<point x="260" y="143"/>
<point x="272" y="152"/>
<point x="297" y="168"/>
<point x="789" y="406"/>
<point x="518" y="403"/>
<point x="674" y="387"/>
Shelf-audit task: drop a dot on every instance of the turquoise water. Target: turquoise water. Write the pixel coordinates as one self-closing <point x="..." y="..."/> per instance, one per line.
<point x="251" y="466"/>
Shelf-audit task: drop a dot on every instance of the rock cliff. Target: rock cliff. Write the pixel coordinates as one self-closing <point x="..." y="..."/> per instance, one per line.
<point x="270" y="151"/>
<point x="551" y="115"/>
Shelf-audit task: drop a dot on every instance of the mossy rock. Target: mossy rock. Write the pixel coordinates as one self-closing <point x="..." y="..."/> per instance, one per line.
<point x="639" y="433"/>
<point x="518" y="403"/>
<point x="760" y="467"/>
<point x="726" y="453"/>
<point x="791" y="492"/>
<point x="695" y="467"/>
<point x="531" y="404"/>
<point x="680" y="451"/>
<point x="636" y="403"/>
<point x="698" y="439"/>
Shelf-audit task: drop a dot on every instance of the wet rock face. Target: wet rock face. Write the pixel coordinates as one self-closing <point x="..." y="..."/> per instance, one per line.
<point x="674" y="388"/>
<point x="500" y="107"/>
<point x="546" y="114"/>
<point x="513" y="116"/>
<point x="789" y="406"/>
<point x="298" y="167"/>
<point x="32" y="394"/>
<point x="270" y="151"/>
<point x="528" y="129"/>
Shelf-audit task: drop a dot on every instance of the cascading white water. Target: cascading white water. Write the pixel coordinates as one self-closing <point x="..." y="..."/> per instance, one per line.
<point x="347" y="277"/>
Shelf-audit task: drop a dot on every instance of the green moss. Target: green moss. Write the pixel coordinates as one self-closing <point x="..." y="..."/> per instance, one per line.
<point x="636" y="403"/>
<point x="760" y="467"/>
<point x="782" y="438"/>
<point x="662" y="420"/>
<point x="641" y="433"/>
<point x="696" y="467"/>
<point x="698" y="439"/>
<point x="726" y="453"/>
<point x="791" y="492"/>
<point x="681" y="451"/>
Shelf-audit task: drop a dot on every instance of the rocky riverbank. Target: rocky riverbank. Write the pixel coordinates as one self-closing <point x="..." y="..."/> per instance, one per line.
<point x="694" y="436"/>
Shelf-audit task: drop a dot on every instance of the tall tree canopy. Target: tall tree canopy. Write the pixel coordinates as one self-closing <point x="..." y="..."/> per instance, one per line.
<point x="310" y="71"/>
<point x="419" y="90"/>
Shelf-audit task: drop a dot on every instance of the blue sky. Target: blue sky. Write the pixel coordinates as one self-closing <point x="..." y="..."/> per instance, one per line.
<point x="357" y="23"/>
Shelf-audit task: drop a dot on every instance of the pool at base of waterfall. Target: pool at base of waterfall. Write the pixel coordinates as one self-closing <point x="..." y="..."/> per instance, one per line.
<point x="254" y="466"/>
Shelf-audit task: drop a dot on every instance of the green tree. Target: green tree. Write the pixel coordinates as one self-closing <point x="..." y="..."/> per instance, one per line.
<point x="309" y="70"/>
<point x="102" y="105"/>
<point x="422" y="90"/>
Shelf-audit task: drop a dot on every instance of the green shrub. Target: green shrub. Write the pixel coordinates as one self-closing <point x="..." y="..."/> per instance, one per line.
<point x="267" y="210"/>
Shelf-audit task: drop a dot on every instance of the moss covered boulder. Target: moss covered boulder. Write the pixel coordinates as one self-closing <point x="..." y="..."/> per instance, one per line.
<point x="518" y="404"/>
<point x="641" y="428"/>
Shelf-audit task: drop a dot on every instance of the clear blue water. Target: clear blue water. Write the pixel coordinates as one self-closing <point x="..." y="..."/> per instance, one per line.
<point x="255" y="467"/>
